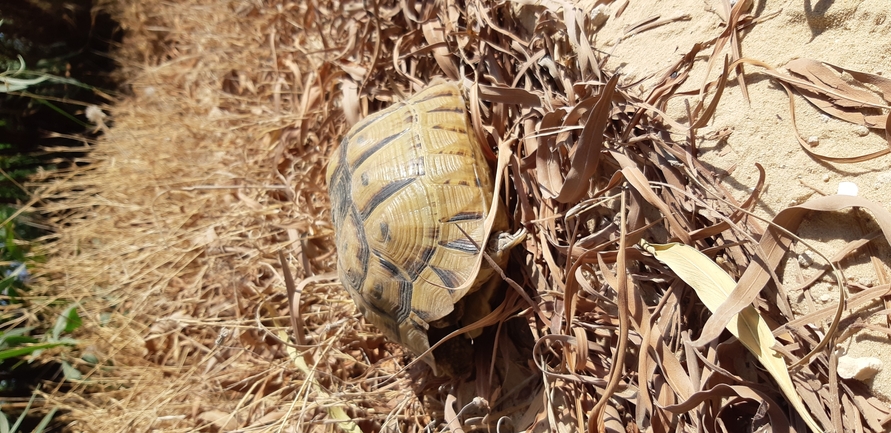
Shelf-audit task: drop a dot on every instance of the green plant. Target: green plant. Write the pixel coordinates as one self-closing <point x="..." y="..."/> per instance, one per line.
<point x="14" y="170"/>
<point x="16" y="342"/>
<point x="44" y="54"/>
<point x="21" y="79"/>
<point x="41" y="426"/>
<point x="13" y="256"/>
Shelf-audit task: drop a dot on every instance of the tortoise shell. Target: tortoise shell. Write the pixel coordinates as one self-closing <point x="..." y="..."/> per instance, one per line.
<point x="410" y="192"/>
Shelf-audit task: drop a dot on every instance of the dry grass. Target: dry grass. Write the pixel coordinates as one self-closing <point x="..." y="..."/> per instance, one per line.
<point x="169" y="238"/>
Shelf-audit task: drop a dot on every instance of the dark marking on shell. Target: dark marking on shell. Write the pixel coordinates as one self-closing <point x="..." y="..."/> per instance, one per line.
<point x="456" y="130"/>
<point x="377" y="291"/>
<point x="354" y="279"/>
<point x="383" y="194"/>
<point x="427" y="254"/>
<point x="373" y="149"/>
<point x="359" y="129"/>
<point x="461" y="153"/>
<point x="432" y="232"/>
<point x="346" y="212"/>
<point x="458" y="110"/>
<point x="463" y="245"/>
<point x="464" y="216"/>
<point x="415" y="268"/>
<point x="384" y="319"/>
<point x="449" y="278"/>
<point x="405" y="292"/>
<point x="389" y="266"/>
<point x="385" y="231"/>
<point x="423" y="315"/>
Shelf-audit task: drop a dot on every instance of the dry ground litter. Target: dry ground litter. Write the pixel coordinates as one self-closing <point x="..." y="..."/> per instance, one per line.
<point x="213" y="165"/>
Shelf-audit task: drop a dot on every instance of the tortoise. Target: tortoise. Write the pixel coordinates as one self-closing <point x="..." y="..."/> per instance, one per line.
<point x="410" y="192"/>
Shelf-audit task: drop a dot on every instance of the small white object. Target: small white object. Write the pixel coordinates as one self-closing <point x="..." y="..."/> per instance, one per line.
<point x="861" y="131"/>
<point x="805" y="260"/>
<point x="548" y="63"/>
<point x="824" y="298"/>
<point x="826" y="177"/>
<point x="868" y="282"/>
<point x="813" y="141"/>
<point x="95" y="114"/>
<point x="848" y="188"/>
<point x="599" y="15"/>
<point x="860" y="369"/>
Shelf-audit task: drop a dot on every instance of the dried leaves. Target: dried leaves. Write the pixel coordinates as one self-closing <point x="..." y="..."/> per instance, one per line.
<point x="595" y="332"/>
<point x="856" y="97"/>
<point x="569" y="137"/>
<point x="714" y="287"/>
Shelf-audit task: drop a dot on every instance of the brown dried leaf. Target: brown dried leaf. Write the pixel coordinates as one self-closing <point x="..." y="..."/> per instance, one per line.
<point x="853" y="104"/>
<point x="823" y="85"/>
<point x="586" y="154"/>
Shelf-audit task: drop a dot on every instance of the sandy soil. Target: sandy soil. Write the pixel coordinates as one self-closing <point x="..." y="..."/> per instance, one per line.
<point x="854" y="34"/>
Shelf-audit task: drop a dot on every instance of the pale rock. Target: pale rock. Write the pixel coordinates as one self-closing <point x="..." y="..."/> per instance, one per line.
<point x="861" y="369"/>
<point x="599" y="15"/>
<point x="805" y="260"/>
<point x="847" y="188"/>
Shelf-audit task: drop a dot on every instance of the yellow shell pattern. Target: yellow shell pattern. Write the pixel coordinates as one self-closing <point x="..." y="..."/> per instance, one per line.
<point x="410" y="191"/>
